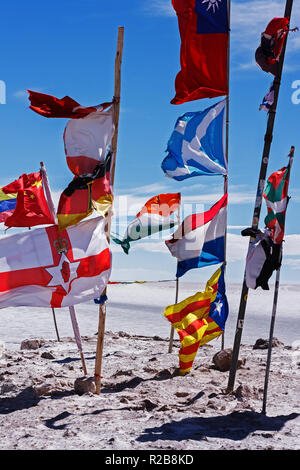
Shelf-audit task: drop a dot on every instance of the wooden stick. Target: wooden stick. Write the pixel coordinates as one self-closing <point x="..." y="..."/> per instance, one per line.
<point x="55" y="324"/>
<point x="116" y="110"/>
<point x="257" y="208"/>
<point x="272" y="324"/>
<point x="77" y="337"/>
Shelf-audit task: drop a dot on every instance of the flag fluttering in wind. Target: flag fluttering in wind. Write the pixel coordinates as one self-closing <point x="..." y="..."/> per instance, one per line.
<point x="268" y="99"/>
<point x="88" y="133"/>
<point x="31" y="206"/>
<point x="203" y="27"/>
<point x="7" y="205"/>
<point x="268" y="53"/>
<point x="199" y="241"/>
<point x="199" y="318"/>
<point x="51" y="107"/>
<point x="196" y="145"/>
<point x="84" y="194"/>
<point x="47" y="268"/>
<point x="263" y="258"/>
<point x="276" y="198"/>
<point x="86" y="141"/>
<point x="154" y="217"/>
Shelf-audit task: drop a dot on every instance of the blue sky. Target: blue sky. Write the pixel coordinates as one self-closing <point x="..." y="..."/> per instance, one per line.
<point x="68" y="48"/>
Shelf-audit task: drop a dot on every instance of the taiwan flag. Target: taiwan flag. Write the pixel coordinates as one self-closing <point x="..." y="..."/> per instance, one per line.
<point x="203" y="27"/>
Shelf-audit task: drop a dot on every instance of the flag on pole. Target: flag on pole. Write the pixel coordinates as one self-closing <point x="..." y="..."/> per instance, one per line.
<point x="196" y="146"/>
<point x="276" y="198"/>
<point x="51" y="107"/>
<point x="7" y="205"/>
<point x="86" y="141"/>
<point x="203" y="27"/>
<point x="199" y="241"/>
<point x="263" y="258"/>
<point x="154" y="217"/>
<point x="268" y="99"/>
<point x="47" y="268"/>
<point x="84" y="194"/>
<point x="199" y="318"/>
<point x="31" y="206"/>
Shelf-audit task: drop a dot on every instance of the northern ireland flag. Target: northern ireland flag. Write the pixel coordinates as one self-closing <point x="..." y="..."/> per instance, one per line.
<point x="154" y="217"/>
<point x="203" y="27"/>
<point x="199" y="241"/>
<point x="48" y="268"/>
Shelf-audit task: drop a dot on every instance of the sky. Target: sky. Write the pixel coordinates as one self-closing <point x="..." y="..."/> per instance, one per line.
<point x="67" y="47"/>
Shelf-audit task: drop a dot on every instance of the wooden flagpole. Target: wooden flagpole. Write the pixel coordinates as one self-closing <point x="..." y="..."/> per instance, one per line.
<point x="77" y="337"/>
<point x="116" y="111"/>
<point x="272" y="324"/>
<point x="176" y="296"/>
<point x="258" y="202"/>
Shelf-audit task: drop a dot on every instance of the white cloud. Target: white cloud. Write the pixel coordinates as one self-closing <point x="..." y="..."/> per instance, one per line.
<point x="159" y="8"/>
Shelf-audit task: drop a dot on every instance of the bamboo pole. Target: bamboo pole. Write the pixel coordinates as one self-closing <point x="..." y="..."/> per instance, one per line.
<point x="116" y="111"/>
<point x="274" y="309"/>
<point x="171" y="340"/>
<point x="258" y="202"/>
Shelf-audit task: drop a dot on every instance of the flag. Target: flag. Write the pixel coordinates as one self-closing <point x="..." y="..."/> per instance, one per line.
<point x="86" y="141"/>
<point x="47" y="268"/>
<point x="276" y="198"/>
<point x="7" y="205"/>
<point x="31" y="206"/>
<point x="84" y="194"/>
<point x="196" y="145"/>
<point x="199" y="241"/>
<point x="199" y="318"/>
<point x="152" y="218"/>
<point x="203" y="27"/>
<point x="51" y="107"/>
<point x="268" y="99"/>
<point x="263" y="258"/>
<point x="268" y="53"/>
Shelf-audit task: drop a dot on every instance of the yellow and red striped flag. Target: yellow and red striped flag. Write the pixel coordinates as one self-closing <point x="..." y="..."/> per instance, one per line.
<point x="199" y="319"/>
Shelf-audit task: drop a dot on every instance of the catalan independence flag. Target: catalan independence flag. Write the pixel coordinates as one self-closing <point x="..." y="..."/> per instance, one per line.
<point x="7" y="205"/>
<point x="199" y="319"/>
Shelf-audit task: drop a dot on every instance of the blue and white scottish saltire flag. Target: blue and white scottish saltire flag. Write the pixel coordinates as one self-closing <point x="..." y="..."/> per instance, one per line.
<point x="199" y="241"/>
<point x="196" y="146"/>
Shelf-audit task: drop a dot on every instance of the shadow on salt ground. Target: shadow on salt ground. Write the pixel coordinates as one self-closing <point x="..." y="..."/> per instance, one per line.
<point x="26" y="399"/>
<point x="164" y="374"/>
<point x="235" y="426"/>
<point x="67" y="360"/>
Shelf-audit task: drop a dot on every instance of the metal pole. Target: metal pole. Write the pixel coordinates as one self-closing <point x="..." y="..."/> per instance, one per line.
<point x="272" y="324"/>
<point x="256" y="214"/>
<point x="176" y="296"/>
<point x="55" y="324"/>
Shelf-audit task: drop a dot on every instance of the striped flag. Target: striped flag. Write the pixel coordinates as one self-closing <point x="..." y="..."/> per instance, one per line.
<point x="276" y="198"/>
<point x="154" y="217"/>
<point x="199" y="318"/>
<point x="7" y="204"/>
<point x="84" y="194"/>
<point x="199" y="241"/>
<point x="196" y="145"/>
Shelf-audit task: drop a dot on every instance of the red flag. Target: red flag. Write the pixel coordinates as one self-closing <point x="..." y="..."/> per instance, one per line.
<point x="31" y="207"/>
<point x="203" y="26"/>
<point x="51" y="107"/>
